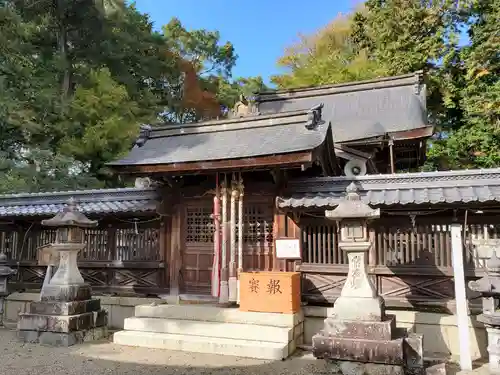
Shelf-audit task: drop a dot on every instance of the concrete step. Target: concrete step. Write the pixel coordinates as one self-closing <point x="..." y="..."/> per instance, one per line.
<point x="217" y="314"/>
<point x="202" y="344"/>
<point x="210" y="329"/>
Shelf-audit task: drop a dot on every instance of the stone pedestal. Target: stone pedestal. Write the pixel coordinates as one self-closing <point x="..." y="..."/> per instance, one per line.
<point x="494" y="349"/>
<point x="66" y="313"/>
<point x="359" y="338"/>
<point x="63" y="323"/>
<point x="489" y="287"/>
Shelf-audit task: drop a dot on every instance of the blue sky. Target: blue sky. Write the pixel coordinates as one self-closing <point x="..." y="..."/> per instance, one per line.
<point x="259" y="29"/>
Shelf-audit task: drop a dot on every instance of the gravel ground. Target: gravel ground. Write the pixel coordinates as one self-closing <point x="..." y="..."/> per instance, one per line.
<point x="104" y="357"/>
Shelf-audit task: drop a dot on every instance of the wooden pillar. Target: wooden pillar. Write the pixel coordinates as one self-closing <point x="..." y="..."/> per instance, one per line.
<point x="176" y="236"/>
<point x="224" y="287"/>
<point x="233" y="279"/>
<point x="164" y="242"/>
<point x="462" y="315"/>
<point x="284" y="227"/>
<point x="240" y="235"/>
<point x="278" y="231"/>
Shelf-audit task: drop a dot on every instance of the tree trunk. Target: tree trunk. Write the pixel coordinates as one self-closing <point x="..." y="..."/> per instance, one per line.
<point x="62" y="45"/>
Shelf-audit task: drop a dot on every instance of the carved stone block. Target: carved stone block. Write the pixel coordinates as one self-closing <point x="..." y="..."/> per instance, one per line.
<point x="63" y="339"/>
<point x="64" y="308"/>
<point x="66" y="293"/>
<point x="413" y="351"/>
<point x="494" y="349"/>
<point x="357" y="350"/>
<point x="47" y="256"/>
<point x="356" y="329"/>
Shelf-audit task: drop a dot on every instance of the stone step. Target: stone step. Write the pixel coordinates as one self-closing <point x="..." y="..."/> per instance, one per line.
<point x="202" y="344"/>
<point x="217" y="314"/>
<point x="210" y="329"/>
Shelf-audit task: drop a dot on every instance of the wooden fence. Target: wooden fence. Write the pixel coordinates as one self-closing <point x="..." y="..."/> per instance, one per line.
<point x="119" y="257"/>
<point x="411" y="263"/>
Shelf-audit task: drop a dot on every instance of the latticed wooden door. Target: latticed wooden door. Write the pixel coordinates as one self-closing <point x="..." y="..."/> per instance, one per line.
<point x="198" y="251"/>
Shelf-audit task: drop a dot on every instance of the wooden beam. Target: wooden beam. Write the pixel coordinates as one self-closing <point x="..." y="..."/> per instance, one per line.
<point x="291" y="160"/>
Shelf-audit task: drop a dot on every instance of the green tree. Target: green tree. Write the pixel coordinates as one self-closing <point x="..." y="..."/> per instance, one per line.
<point x="101" y="123"/>
<point x="327" y="57"/>
<point x="204" y="61"/>
<point x="74" y="128"/>
<point x="387" y="37"/>
<point x="475" y="141"/>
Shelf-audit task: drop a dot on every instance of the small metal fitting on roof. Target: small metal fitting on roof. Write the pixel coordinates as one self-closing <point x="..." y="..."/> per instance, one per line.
<point x="144" y="134"/>
<point x="314" y="116"/>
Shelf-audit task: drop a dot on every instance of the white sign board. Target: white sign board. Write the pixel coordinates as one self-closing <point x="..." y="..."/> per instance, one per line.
<point x="288" y="248"/>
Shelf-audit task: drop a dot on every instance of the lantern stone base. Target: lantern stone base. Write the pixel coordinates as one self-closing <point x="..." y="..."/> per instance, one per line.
<point x="364" y="345"/>
<point x="70" y="292"/>
<point x="372" y="308"/>
<point x="63" y="339"/>
<point x="357" y="368"/>
<point x="494" y="349"/>
<point x="61" y="323"/>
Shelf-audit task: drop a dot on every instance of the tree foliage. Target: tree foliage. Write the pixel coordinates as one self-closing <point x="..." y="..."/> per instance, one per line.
<point x="77" y="78"/>
<point x="388" y="37"/>
<point x="326" y="57"/>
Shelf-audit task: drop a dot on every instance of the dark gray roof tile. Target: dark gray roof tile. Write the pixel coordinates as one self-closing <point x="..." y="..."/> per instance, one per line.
<point x="359" y="110"/>
<point x="399" y="189"/>
<point x="250" y="136"/>
<point x="99" y="201"/>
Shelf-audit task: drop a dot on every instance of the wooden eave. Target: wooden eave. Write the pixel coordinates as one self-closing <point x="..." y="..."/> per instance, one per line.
<point x="290" y="160"/>
<point x="407" y="135"/>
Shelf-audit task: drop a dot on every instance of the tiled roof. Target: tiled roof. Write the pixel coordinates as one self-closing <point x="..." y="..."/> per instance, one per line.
<point x="359" y="110"/>
<point x="99" y="201"/>
<point x="397" y="189"/>
<point x="251" y="136"/>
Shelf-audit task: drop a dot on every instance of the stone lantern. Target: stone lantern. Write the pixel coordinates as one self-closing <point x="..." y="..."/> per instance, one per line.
<point x="489" y="287"/>
<point x="353" y="216"/>
<point x="358" y="337"/>
<point x="67" y="284"/>
<point x="5" y="273"/>
<point x="66" y="313"/>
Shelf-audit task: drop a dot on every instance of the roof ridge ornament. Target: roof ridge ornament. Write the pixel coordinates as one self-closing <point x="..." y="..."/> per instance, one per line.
<point x="244" y="107"/>
<point x="144" y="134"/>
<point x="419" y="75"/>
<point x="314" y="116"/>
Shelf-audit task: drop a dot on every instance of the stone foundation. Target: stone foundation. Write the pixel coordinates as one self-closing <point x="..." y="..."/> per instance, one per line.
<point x="62" y="323"/>
<point x="356" y="368"/>
<point x="368" y="342"/>
<point x="63" y="339"/>
<point x="440" y="330"/>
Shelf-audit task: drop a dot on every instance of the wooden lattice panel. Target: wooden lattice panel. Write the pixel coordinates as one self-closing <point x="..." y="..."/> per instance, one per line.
<point x="199" y="224"/>
<point x="138" y="244"/>
<point x="258" y="224"/>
